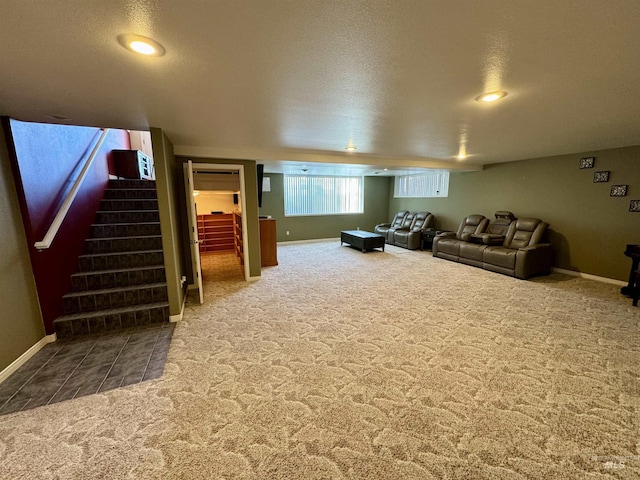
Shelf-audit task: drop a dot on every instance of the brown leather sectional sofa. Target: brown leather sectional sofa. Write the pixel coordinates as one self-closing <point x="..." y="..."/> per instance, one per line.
<point x="406" y="228"/>
<point x="512" y="246"/>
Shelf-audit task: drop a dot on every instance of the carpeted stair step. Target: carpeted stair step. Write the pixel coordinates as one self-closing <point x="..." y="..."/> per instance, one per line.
<point x="130" y="193"/>
<point x="109" y="261"/>
<point x="122" y="244"/>
<point x="100" y="321"/>
<point x="131" y="183"/>
<point x="141" y="229"/>
<point x="129" y="216"/>
<point x="128" y="204"/>
<point x="123" y="277"/>
<point x="92" y="300"/>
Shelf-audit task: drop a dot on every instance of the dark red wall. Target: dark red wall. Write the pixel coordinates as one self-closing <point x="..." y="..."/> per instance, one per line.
<point x="47" y="160"/>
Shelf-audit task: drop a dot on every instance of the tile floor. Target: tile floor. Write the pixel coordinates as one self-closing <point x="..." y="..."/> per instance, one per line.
<point x="71" y="368"/>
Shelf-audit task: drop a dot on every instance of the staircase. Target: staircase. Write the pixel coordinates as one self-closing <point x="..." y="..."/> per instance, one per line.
<point x="121" y="279"/>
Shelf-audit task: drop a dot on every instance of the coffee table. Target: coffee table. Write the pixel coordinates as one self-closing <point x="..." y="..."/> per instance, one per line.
<point x="362" y="240"/>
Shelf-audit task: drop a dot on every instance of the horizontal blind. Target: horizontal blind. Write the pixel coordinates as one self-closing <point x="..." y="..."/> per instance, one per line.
<point x="322" y="195"/>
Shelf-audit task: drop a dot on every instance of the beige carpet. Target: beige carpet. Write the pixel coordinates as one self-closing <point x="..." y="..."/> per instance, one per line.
<point x="343" y="365"/>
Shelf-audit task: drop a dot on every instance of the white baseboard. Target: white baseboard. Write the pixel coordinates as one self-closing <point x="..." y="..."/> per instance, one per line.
<point x="177" y="318"/>
<point x="317" y="240"/>
<point x="22" y="359"/>
<point x="573" y="273"/>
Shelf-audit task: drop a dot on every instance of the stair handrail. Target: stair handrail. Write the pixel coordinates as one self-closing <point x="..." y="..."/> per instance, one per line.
<point x="66" y="205"/>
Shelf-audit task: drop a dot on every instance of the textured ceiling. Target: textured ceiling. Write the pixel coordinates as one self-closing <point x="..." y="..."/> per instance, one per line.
<point x="298" y="80"/>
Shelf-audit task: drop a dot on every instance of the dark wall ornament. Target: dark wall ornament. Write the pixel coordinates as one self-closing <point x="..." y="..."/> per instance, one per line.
<point x="634" y="206"/>
<point x="587" y="162"/>
<point x="600" y="177"/>
<point x="618" y="191"/>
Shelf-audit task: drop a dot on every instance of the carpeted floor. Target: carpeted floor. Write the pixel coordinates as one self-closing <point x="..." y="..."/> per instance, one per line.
<point x="344" y="365"/>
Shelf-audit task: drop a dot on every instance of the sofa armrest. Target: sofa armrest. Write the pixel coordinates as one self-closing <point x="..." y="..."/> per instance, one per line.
<point x="539" y="246"/>
<point x="534" y="260"/>
<point x="383" y="225"/>
<point x="492" y="239"/>
<point x="446" y="234"/>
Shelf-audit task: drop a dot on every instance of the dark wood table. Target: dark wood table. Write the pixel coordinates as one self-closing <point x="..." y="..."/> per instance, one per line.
<point x="362" y="240"/>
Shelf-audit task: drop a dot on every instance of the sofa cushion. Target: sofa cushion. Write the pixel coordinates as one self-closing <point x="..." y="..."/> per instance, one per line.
<point x="399" y="218"/>
<point x="387" y="229"/>
<point x="449" y="245"/>
<point x="470" y="225"/>
<point x="525" y="232"/>
<point x="472" y="251"/>
<point x="423" y="221"/>
<point x="408" y="221"/>
<point x="501" y="257"/>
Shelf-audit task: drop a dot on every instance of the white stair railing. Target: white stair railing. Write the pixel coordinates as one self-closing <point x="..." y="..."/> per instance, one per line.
<point x="66" y="205"/>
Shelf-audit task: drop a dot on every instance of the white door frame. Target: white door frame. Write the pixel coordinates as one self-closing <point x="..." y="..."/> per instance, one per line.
<point x="194" y="237"/>
<point x="212" y="167"/>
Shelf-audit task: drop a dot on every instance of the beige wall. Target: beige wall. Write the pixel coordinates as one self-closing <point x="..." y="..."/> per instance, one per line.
<point x="589" y="228"/>
<point x="20" y="321"/>
<point x="207" y="202"/>
<point x="376" y="210"/>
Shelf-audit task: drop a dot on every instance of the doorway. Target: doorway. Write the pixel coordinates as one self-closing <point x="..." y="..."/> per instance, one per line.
<point x="218" y="229"/>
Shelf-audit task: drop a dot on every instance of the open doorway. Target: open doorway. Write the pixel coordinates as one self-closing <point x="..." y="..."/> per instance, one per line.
<point x="218" y="229"/>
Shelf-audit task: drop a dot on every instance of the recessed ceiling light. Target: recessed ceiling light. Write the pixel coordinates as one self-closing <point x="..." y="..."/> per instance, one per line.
<point x="350" y="148"/>
<point x="491" y="96"/>
<point x="386" y="169"/>
<point x="142" y="45"/>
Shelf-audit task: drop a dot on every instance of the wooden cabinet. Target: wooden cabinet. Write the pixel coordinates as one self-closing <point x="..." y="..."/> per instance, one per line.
<point x="215" y="233"/>
<point x="237" y="237"/>
<point x="268" y="247"/>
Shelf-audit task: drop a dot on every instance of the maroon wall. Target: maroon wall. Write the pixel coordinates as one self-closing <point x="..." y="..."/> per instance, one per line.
<point x="47" y="160"/>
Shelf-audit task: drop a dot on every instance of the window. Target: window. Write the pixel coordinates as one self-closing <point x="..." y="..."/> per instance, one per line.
<point x="425" y="185"/>
<point x="319" y="195"/>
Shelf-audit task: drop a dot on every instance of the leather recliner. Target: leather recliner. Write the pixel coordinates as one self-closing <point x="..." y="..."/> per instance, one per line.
<point x="410" y="237"/>
<point x="383" y="228"/>
<point x="497" y="231"/>
<point x="447" y="245"/>
<point x="522" y="254"/>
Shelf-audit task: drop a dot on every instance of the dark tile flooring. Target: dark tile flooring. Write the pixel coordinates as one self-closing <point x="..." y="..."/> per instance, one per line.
<point x="80" y="366"/>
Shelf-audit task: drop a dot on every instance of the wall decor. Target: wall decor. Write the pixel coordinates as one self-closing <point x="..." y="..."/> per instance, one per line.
<point x="600" y="177"/>
<point x="634" y="206"/>
<point x="618" y="191"/>
<point x="587" y="162"/>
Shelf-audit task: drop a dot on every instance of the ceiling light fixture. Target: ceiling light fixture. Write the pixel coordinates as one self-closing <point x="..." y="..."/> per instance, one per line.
<point x="351" y="148"/>
<point x="142" y="45"/>
<point x="491" y="96"/>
